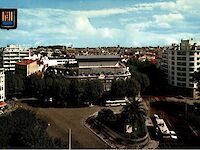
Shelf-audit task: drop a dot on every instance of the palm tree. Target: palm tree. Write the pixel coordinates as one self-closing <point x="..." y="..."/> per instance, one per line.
<point x="135" y="114"/>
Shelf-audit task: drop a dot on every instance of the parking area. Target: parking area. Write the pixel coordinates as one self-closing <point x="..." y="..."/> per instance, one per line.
<point x="187" y="134"/>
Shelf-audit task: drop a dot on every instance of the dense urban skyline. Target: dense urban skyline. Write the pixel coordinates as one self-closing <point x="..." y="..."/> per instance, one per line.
<point x="102" y="23"/>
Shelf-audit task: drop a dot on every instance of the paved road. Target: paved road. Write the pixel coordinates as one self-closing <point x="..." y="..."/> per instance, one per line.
<point x="174" y="99"/>
<point x="61" y="119"/>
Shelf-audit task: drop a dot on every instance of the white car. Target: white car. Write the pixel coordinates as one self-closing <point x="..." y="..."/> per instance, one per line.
<point x="1" y="112"/>
<point x="173" y="135"/>
<point x="155" y="116"/>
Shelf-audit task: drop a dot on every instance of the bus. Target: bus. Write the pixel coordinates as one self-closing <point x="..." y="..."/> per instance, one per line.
<point x="122" y="102"/>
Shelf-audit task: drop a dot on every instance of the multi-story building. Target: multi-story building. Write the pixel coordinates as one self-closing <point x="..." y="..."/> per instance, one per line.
<point x="12" y="54"/>
<point x="103" y="67"/>
<point x="26" y="67"/>
<point x="179" y="62"/>
<point x="2" y="85"/>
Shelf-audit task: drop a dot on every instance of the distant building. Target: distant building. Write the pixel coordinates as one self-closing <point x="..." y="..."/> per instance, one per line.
<point x="57" y="61"/>
<point x="2" y="85"/>
<point x="12" y="54"/>
<point x="103" y="67"/>
<point x="179" y="63"/>
<point x="26" y="67"/>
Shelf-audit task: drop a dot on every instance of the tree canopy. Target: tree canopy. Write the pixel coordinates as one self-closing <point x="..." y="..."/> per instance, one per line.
<point x="22" y="129"/>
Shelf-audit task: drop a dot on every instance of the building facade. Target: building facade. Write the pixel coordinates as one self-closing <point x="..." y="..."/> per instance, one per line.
<point x="26" y="67"/>
<point x="179" y="63"/>
<point x="2" y="85"/>
<point x="103" y="67"/>
<point x="12" y="54"/>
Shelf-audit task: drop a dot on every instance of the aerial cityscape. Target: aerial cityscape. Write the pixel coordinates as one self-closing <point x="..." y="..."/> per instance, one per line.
<point x="100" y="74"/>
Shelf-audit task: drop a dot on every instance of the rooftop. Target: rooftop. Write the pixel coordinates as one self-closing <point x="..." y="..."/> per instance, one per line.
<point x="97" y="57"/>
<point x="25" y="62"/>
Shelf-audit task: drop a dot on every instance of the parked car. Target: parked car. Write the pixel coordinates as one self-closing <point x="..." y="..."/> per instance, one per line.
<point x="1" y="112"/>
<point x="173" y="135"/>
<point x="155" y="116"/>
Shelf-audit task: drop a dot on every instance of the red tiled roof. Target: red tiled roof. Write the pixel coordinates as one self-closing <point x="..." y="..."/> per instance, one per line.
<point x="154" y="61"/>
<point x="2" y="104"/>
<point x="25" y="62"/>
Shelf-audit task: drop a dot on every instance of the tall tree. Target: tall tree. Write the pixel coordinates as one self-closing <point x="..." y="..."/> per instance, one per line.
<point x="132" y="87"/>
<point x="135" y="114"/>
<point x="93" y="90"/>
<point x="74" y="92"/>
<point x="118" y="88"/>
<point x="14" y="84"/>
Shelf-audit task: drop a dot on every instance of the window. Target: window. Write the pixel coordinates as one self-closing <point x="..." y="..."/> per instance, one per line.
<point x="181" y="58"/>
<point x="181" y="63"/>
<point x="191" y="64"/>
<point x="183" y="84"/>
<point x="178" y="83"/>
<point x="192" y="53"/>
<point x="191" y="69"/>
<point x="178" y="78"/>
<point x="181" y="74"/>
<point x="191" y="80"/>
<point x="191" y="74"/>
<point x="192" y="59"/>
<point x="191" y="85"/>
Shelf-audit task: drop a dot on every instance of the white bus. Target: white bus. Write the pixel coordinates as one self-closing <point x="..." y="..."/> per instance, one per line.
<point x="122" y="102"/>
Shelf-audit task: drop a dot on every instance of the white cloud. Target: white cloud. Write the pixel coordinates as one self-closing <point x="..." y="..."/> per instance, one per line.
<point x="110" y="11"/>
<point x="162" y="5"/>
<point x="186" y="6"/>
<point x="44" y="25"/>
<point x="168" y="18"/>
<point x="82" y="24"/>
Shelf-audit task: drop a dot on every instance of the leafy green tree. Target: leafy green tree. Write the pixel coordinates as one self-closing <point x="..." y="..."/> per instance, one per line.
<point x="23" y="129"/>
<point x="49" y="86"/>
<point x="93" y="90"/>
<point x="35" y="86"/>
<point x="14" y="84"/>
<point x="106" y="115"/>
<point x="74" y="90"/>
<point x="118" y="88"/>
<point x="132" y="87"/>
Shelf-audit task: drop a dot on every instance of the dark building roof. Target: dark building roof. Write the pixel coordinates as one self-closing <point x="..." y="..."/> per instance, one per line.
<point x="85" y="58"/>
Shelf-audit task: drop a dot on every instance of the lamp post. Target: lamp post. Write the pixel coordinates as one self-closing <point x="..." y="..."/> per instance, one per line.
<point x="70" y="138"/>
<point x="186" y="109"/>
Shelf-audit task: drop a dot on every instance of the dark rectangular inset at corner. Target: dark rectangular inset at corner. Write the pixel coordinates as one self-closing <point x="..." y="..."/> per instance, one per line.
<point x="8" y="18"/>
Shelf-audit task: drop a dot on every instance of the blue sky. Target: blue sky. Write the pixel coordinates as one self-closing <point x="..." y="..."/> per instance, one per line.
<point x="93" y="23"/>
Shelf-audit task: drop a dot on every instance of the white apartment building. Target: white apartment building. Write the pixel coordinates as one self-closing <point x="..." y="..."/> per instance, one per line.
<point x="179" y="63"/>
<point x="2" y="85"/>
<point x="13" y="54"/>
